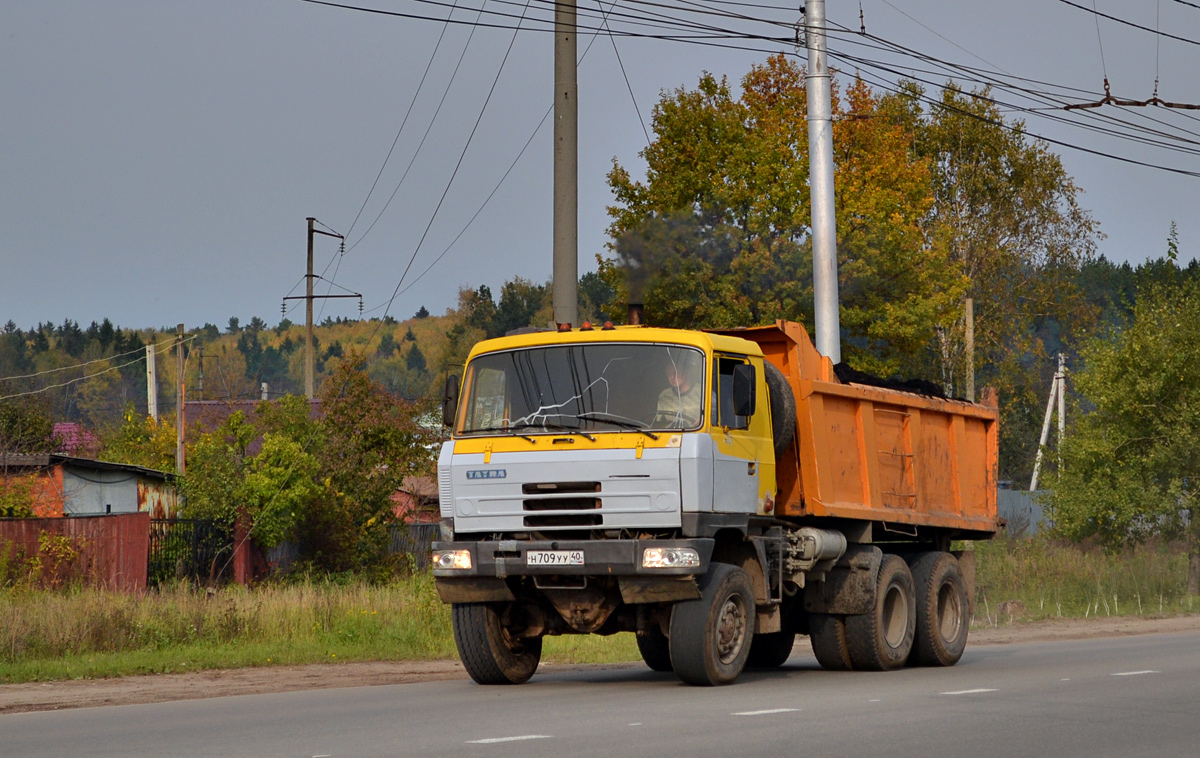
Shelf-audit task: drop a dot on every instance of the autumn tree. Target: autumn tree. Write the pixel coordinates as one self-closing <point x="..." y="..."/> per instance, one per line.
<point x="1010" y="216"/>
<point x="718" y="232"/>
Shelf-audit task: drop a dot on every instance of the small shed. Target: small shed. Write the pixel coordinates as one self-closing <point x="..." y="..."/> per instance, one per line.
<point x="416" y="502"/>
<point x="65" y="485"/>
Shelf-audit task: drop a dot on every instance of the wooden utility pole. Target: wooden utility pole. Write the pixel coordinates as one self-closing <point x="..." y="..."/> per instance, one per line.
<point x="308" y="298"/>
<point x="151" y="382"/>
<point x="970" y="319"/>
<point x="308" y="324"/>
<point x="179" y="402"/>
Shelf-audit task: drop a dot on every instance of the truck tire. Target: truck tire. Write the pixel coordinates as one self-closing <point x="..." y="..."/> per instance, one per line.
<point x="771" y="650"/>
<point x="489" y="654"/>
<point x="827" y="633"/>
<point x="882" y="639"/>
<point x="942" y="616"/>
<point x="783" y="408"/>
<point x="711" y="637"/>
<point x="655" y="650"/>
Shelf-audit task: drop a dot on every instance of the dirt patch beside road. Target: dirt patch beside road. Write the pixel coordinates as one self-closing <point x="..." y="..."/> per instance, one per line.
<point x="157" y="688"/>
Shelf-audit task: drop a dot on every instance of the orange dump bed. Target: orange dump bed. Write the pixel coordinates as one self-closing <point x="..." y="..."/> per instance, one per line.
<point x="863" y="452"/>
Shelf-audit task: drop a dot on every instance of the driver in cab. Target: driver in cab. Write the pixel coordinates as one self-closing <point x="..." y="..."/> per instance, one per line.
<point x="679" y="404"/>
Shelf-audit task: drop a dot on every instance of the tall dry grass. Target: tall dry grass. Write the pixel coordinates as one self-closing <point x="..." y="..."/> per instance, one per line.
<point x="1052" y="579"/>
<point x="86" y="632"/>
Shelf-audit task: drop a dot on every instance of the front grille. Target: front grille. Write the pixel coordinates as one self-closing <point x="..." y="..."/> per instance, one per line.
<point x="558" y="488"/>
<point x="563" y="504"/>
<point x="564" y="520"/>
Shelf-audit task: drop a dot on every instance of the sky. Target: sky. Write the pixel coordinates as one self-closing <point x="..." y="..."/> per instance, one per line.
<point x="158" y="159"/>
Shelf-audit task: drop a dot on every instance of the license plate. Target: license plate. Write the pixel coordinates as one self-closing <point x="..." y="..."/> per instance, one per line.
<point x="554" y="558"/>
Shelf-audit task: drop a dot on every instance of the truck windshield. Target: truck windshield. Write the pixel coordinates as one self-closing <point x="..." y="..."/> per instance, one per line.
<point x="588" y="387"/>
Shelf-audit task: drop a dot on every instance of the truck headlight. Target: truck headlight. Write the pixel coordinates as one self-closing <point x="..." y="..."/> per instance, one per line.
<point x="670" y="557"/>
<point x="452" y="559"/>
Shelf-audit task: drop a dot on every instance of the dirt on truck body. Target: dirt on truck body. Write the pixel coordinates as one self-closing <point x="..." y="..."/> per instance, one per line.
<point x="715" y="493"/>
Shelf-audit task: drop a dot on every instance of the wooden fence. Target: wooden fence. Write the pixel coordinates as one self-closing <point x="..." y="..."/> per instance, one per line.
<point x="105" y="551"/>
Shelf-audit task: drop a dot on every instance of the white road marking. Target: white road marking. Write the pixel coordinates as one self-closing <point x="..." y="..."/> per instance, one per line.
<point x="1065" y="680"/>
<point x="1135" y="673"/>
<point x="876" y="700"/>
<point x="491" y="740"/>
<point x="764" y="713"/>
<point x="638" y="723"/>
<point x="969" y="692"/>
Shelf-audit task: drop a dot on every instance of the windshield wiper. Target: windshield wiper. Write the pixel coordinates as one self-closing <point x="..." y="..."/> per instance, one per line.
<point x="511" y="430"/>
<point x="562" y="428"/>
<point x="621" y="421"/>
<point x="506" y="429"/>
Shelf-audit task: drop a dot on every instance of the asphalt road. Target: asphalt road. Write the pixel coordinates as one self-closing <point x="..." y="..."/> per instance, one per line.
<point x="1132" y="696"/>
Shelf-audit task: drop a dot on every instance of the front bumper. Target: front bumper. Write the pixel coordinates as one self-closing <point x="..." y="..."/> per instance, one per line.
<point x="505" y="558"/>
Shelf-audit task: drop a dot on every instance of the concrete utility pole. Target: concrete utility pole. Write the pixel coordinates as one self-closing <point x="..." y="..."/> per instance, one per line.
<point x="180" y="399"/>
<point x="1058" y="391"/>
<point x="820" y="185"/>
<point x="566" y="167"/>
<point x="151" y="382"/>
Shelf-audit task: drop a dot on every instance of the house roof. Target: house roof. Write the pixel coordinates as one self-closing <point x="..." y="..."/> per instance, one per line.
<point x="54" y="459"/>
<point x="74" y="438"/>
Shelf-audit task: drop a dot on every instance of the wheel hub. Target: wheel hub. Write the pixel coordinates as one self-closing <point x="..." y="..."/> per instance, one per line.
<point x="731" y="630"/>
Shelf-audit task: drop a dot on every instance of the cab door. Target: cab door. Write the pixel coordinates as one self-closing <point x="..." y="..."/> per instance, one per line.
<point x="737" y="464"/>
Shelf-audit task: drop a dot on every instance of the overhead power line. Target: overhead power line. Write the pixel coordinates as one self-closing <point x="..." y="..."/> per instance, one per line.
<point x="1130" y="23"/>
<point x="73" y="366"/>
<point x="403" y="122"/>
<point x="167" y="347"/>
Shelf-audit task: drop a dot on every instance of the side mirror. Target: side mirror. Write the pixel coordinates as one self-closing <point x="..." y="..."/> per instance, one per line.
<point x="743" y="389"/>
<point x="449" y="400"/>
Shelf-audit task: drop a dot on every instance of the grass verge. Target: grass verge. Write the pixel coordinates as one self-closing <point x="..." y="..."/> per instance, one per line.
<point x="1040" y="578"/>
<point x="86" y="633"/>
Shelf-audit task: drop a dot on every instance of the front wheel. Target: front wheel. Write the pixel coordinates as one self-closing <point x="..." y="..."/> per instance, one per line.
<point x="489" y="652"/>
<point x="710" y="637"/>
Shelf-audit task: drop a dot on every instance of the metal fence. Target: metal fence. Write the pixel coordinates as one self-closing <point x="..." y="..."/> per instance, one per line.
<point x="194" y="549"/>
<point x="1023" y="511"/>
<point x="415" y="540"/>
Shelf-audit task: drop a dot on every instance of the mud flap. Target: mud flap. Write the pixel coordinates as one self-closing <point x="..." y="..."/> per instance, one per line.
<point x="849" y="587"/>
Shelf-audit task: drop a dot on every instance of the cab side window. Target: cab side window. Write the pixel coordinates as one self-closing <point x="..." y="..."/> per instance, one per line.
<point x="723" y="407"/>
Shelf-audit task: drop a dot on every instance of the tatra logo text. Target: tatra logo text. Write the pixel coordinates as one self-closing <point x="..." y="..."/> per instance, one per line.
<point x="487" y="473"/>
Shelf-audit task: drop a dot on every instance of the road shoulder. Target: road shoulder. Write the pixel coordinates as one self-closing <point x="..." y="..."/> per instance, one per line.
<point x="158" y="688"/>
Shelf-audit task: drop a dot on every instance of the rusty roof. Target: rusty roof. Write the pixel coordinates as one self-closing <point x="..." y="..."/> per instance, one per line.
<point x="54" y="459"/>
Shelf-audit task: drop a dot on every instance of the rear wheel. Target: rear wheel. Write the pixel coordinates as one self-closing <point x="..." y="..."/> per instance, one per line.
<point x="710" y="637"/>
<point x="942" y="618"/>
<point x="656" y="651"/>
<point x="882" y="639"/>
<point x="827" y="633"/>
<point x="488" y="650"/>
<point x="771" y="650"/>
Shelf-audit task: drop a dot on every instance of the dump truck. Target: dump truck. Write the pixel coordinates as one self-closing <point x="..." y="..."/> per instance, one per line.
<point x="716" y="493"/>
